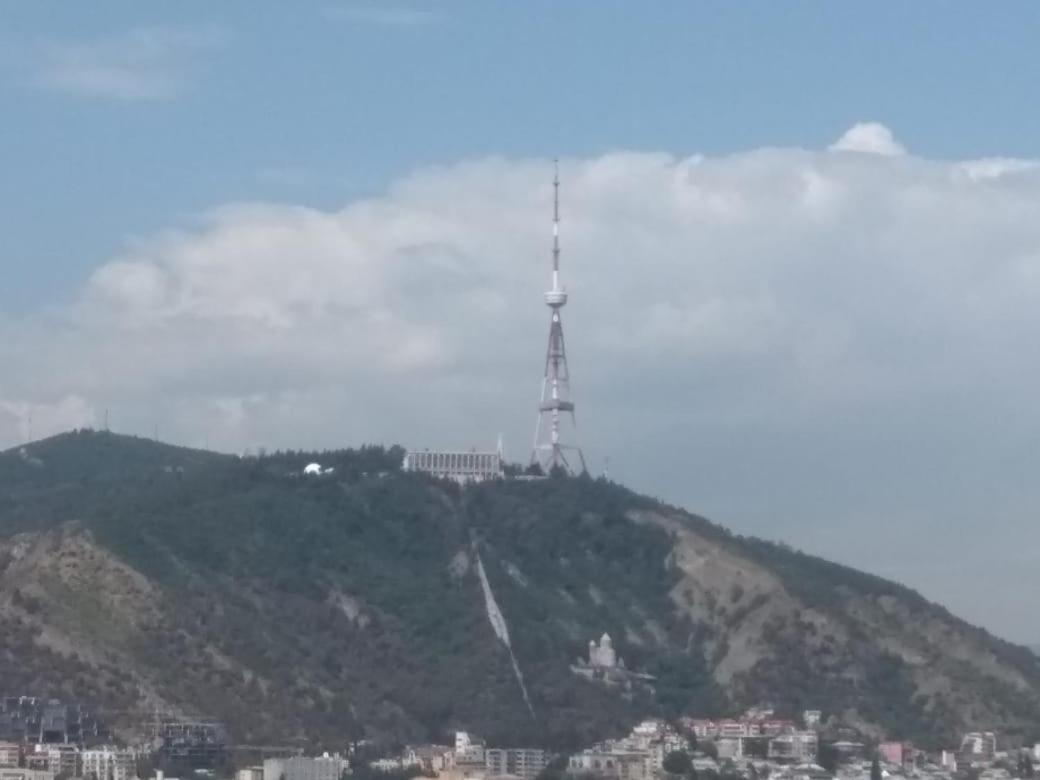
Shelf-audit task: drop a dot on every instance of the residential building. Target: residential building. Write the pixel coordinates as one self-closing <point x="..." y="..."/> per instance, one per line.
<point x="61" y="759"/>
<point x="323" y="767"/>
<point x="896" y="753"/>
<point x="468" y="749"/>
<point x="619" y="764"/>
<point x="10" y="755"/>
<point x="250" y="773"/>
<point x="108" y="763"/>
<point x="979" y="746"/>
<point x="26" y="774"/>
<point x="431" y="758"/>
<point x="526" y="763"/>
<point x="730" y="747"/>
<point x="796" y="747"/>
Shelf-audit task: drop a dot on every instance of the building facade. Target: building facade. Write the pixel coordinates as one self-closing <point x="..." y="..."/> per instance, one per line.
<point x="526" y="763"/>
<point x="798" y="747"/>
<point x="26" y="774"/>
<point x="324" y="767"/>
<point x="462" y="467"/>
<point x="10" y="755"/>
<point x="108" y="763"/>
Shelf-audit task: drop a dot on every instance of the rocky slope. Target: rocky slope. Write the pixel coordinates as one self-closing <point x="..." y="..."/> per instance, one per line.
<point x="134" y="574"/>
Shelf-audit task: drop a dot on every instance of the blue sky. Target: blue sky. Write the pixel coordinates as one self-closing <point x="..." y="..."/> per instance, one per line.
<point x="321" y="102"/>
<point x="806" y="231"/>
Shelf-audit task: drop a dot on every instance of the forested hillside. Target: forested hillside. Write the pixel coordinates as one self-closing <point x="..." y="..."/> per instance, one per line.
<point x="329" y="607"/>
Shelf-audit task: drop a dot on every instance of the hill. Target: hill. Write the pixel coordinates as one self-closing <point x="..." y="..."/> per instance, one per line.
<point x="135" y="574"/>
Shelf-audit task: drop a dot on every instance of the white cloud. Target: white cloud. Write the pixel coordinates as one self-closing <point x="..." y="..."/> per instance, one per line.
<point x="869" y="138"/>
<point x="777" y="337"/>
<point x="144" y="64"/>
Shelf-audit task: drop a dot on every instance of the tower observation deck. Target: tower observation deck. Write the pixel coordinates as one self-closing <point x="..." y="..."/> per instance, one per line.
<point x="556" y="405"/>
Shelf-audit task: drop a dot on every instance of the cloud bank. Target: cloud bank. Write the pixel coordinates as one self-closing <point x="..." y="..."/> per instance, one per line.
<point x="829" y="346"/>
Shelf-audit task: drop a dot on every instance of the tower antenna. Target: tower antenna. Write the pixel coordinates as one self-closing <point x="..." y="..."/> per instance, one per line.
<point x="549" y="452"/>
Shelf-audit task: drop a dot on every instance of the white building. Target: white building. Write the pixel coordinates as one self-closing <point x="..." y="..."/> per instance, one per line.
<point x="60" y="759"/>
<point x="10" y="754"/>
<point x="462" y="467"/>
<point x="108" y="763"/>
<point x="611" y="763"/>
<point x="323" y="767"/>
<point x="730" y="747"/>
<point x="431" y="758"/>
<point x="526" y="763"/>
<point x="797" y="747"/>
<point x="26" y="774"/>
<point x="467" y="749"/>
<point x="603" y="655"/>
<point x="979" y="746"/>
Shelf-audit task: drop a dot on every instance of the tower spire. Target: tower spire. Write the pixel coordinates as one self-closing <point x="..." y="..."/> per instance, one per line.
<point x="549" y="451"/>
<point x="556" y="225"/>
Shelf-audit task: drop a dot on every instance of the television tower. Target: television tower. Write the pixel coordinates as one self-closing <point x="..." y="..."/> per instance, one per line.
<point x="549" y="452"/>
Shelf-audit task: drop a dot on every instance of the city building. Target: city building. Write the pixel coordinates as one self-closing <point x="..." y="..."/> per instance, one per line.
<point x="108" y="763"/>
<point x="462" y="467"/>
<point x="796" y="747"/>
<point x="323" y="767"/>
<point x="526" y="763"/>
<point x="195" y="743"/>
<point x="730" y="747"/>
<point x="611" y="763"/>
<point x="896" y="753"/>
<point x="977" y="746"/>
<point x="61" y="759"/>
<point x="10" y="755"/>
<point x="429" y="758"/>
<point x="250" y="773"/>
<point x="30" y="719"/>
<point x="26" y="774"/>
<point x="468" y="750"/>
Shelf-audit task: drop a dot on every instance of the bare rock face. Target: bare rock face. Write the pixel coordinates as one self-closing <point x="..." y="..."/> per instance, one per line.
<point x="754" y="618"/>
<point x="134" y="574"/>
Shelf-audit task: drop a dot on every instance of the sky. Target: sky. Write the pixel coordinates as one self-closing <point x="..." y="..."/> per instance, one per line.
<point x="801" y="242"/>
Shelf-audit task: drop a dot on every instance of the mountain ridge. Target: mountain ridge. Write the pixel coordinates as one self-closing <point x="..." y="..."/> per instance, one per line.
<point x="137" y="574"/>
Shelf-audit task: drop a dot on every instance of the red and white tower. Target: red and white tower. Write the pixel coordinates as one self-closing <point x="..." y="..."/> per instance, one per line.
<point x="549" y="450"/>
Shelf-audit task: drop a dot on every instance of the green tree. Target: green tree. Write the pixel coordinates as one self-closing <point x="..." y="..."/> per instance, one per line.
<point x="1025" y="765"/>
<point x="678" y="762"/>
<point x="828" y="757"/>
